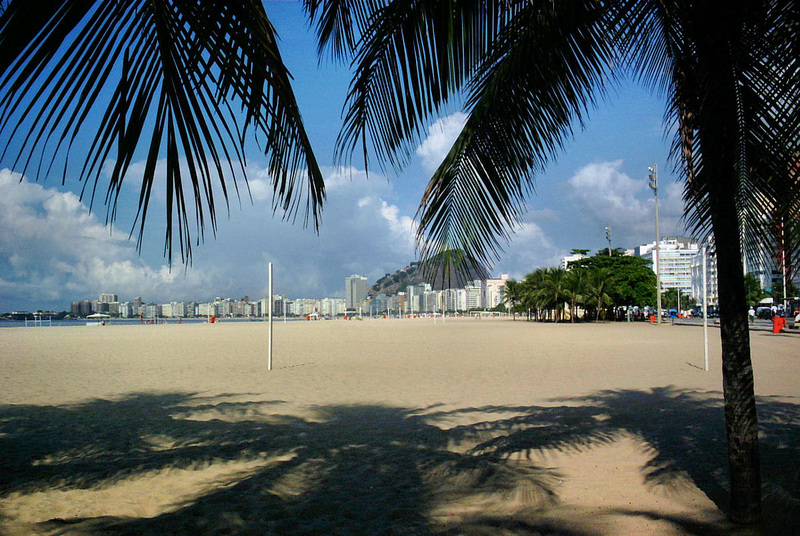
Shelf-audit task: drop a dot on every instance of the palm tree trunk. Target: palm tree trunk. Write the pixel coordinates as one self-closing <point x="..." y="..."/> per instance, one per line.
<point x="741" y="421"/>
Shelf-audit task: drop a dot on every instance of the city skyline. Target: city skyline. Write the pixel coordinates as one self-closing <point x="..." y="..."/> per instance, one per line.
<point x="356" y="287"/>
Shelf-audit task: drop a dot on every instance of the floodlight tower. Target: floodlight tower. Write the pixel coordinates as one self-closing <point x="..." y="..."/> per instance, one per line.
<point x="653" y="176"/>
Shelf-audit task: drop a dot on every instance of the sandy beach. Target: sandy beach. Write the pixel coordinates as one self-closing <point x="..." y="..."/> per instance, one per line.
<point x="471" y="427"/>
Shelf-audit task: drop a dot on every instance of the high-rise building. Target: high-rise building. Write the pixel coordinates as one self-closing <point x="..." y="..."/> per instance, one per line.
<point x="675" y="257"/>
<point x="107" y="298"/>
<point x="474" y="295"/>
<point x="494" y="291"/>
<point x="711" y="286"/>
<point x="355" y="291"/>
<point x="82" y="308"/>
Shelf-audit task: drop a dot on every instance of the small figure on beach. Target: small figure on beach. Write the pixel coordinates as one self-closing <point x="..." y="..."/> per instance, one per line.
<point x="778" y="323"/>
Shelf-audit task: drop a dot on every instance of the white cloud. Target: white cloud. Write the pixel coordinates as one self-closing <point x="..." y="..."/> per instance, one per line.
<point x="530" y="248"/>
<point x="362" y="232"/>
<point x="603" y="195"/>
<point x="53" y="251"/>
<point x="441" y="136"/>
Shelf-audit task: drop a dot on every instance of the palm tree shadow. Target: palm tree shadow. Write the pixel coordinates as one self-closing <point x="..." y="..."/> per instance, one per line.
<point x="350" y="469"/>
<point x="686" y="433"/>
<point x="374" y="469"/>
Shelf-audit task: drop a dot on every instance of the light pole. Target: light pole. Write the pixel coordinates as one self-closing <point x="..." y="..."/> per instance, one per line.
<point x="653" y="176"/>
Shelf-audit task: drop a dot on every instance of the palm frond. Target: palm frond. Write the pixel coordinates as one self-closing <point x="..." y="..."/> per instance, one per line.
<point x="340" y="24"/>
<point x="183" y="79"/>
<point x="753" y="102"/>
<point x="545" y="69"/>
<point x="412" y="58"/>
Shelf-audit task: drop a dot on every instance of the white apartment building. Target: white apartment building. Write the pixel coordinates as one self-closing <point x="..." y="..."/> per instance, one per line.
<point x="570" y="258"/>
<point x="125" y="310"/>
<point x="415" y="294"/>
<point x="712" y="288"/>
<point x="494" y="291"/>
<point x="432" y="300"/>
<point x="174" y="310"/>
<point x="305" y="306"/>
<point x="208" y="309"/>
<point x="332" y="306"/>
<point x="675" y="257"/>
<point x="455" y="299"/>
<point x="474" y="291"/>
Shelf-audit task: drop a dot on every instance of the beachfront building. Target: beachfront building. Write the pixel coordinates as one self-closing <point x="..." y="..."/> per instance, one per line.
<point x="167" y="310"/>
<point x="494" y="291"/>
<point x="355" y="291"/>
<point x="207" y="309"/>
<point x="570" y="258"/>
<point x="81" y="308"/>
<point x="332" y="306"/>
<point x="675" y="256"/>
<point x="125" y="309"/>
<point x="712" y="289"/>
<point x="379" y="305"/>
<point x="305" y="307"/>
<point x="474" y="291"/>
<point x="432" y="300"/>
<point x="455" y="299"/>
<point x="415" y="297"/>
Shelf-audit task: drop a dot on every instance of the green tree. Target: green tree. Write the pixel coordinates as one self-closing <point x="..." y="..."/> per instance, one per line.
<point x="754" y="291"/>
<point x="530" y="70"/>
<point x="531" y="292"/>
<point x="670" y="299"/>
<point x="633" y="281"/>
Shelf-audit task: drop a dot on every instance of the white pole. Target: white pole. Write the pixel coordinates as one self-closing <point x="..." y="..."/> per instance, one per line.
<point x="269" y="306"/>
<point x="705" y="306"/>
<point x="657" y="254"/>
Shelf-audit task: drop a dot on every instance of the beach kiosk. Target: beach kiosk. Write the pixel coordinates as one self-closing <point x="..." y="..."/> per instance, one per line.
<point x="97" y="319"/>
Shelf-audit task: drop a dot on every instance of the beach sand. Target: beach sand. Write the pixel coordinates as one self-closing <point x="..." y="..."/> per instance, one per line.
<point x="472" y="427"/>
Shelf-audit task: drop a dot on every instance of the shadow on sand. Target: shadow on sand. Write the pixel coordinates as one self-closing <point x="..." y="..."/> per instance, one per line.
<point x="375" y="469"/>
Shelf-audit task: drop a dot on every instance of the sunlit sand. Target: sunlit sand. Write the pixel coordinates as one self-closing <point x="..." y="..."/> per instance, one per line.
<point x="382" y="427"/>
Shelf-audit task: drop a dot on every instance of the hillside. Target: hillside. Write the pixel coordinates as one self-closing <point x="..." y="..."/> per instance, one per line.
<point x="413" y="274"/>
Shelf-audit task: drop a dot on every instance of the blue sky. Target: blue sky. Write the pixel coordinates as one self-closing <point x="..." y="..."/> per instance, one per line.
<point x="54" y="251"/>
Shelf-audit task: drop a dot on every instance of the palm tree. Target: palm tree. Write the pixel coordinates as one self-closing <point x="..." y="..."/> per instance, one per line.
<point x="530" y="70"/>
<point x="601" y="286"/>
<point x="531" y="287"/>
<point x="577" y="290"/>
<point x="554" y="291"/>
<point x="512" y="291"/>
<point x="183" y="80"/>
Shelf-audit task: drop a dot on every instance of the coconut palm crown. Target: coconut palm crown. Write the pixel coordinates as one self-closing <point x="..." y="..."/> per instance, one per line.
<point x="183" y="81"/>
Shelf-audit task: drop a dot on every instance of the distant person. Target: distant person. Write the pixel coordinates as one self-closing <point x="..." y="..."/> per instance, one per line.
<point x="778" y="323"/>
<point x="751" y="314"/>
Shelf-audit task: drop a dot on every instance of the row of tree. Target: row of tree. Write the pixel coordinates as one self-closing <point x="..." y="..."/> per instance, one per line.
<point x="595" y="285"/>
